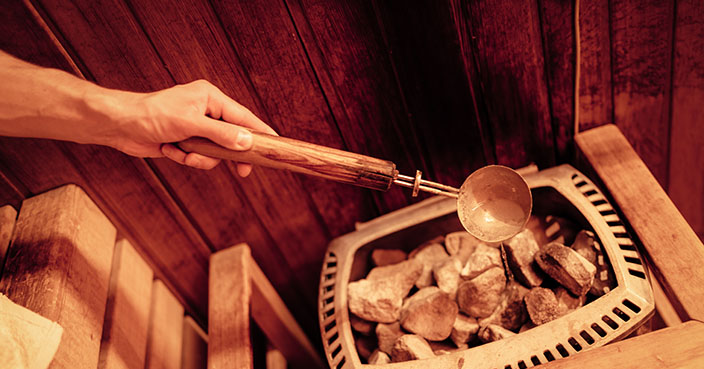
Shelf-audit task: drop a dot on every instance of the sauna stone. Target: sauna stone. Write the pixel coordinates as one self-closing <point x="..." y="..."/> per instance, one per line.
<point x="365" y="346"/>
<point x="387" y="334"/>
<point x="567" y="302"/>
<point x="492" y="332"/>
<point x="362" y="326"/>
<point x="382" y="257"/>
<point x="379" y="297"/>
<point x="567" y="267"/>
<point x="428" y="256"/>
<point x="463" y="330"/>
<point x="378" y="357"/>
<point x="480" y="296"/>
<point x="511" y="312"/>
<point x="447" y="275"/>
<point x="541" y="305"/>
<point x="461" y="244"/>
<point x="586" y="245"/>
<point x="411" y="347"/>
<point x="430" y="315"/>
<point x="482" y="259"/>
<point x="520" y="253"/>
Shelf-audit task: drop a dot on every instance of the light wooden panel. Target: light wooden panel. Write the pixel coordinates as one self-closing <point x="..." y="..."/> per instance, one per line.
<point x="687" y="127"/>
<point x="675" y="252"/>
<point x="8" y="214"/>
<point x="124" y="341"/>
<point x="58" y="266"/>
<point x="165" y="335"/>
<point x="194" y="351"/>
<point x="641" y="49"/>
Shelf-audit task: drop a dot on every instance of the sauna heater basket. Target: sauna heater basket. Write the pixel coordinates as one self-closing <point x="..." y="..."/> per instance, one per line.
<point x="561" y="191"/>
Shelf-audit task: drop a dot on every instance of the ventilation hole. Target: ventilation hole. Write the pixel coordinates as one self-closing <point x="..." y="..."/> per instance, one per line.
<point x="336" y="351"/>
<point x="599" y="202"/>
<point x="328" y="288"/>
<point x="561" y="349"/>
<point x="534" y="359"/>
<point x="590" y="192"/>
<point x="627" y="247"/>
<point x="614" y="223"/>
<point x="329" y="276"/>
<point x="587" y="338"/>
<point x="634" y="308"/>
<point x="341" y="363"/>
<point x="580" y="183"/>
<point x="332" y="338"/>
<point x="548" y="355"/>
<point x="522" y="365"/>
<point x="330" y="326"/>
<point x="608" y="212"/>
<point x="573" y="342"/>
<point x="329" y="300"/>
<point x="331" y="264"/>
<point x="621" y="314"/>
<point x="621" y="235"/>
<point x="508" y="367"/>
<point x="636" y="273"/>
<point x="632" y="260"/>
<point x="609" y="322"/>
<point x="329" y="313"/>
<point x="574" y="175"/>
<point x="597" y="328"/>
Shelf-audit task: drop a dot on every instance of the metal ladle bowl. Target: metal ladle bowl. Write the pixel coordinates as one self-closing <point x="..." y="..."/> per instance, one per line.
<point x="494" y="203"/>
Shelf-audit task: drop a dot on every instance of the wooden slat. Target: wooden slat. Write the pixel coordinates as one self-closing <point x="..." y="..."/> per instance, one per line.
<point x="686" y="185"/>
<point x="165" y="335"/>
<point x="641" y="47"/>
<point x="422" y="39"/>
<point x="275" y="359"/>
<point x="8" y="215"/>
<point x="194" y="351"/>
<point x="676" y="253"/>
<point x="510" y="64"/>
<point x="230" y="292"/>
<point x="124" y="341"/>
<point x="681" y="346"/>
<point x="58" y="266"/>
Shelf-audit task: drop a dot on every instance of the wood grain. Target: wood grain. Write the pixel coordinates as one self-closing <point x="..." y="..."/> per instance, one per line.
<point x="165" y="335"/>
<point x="58" y="266"/>
<point x="124" y="341"/>
<point x="510" y="64"/>
<point x="194" y="351"/>
<point x="422" y="38"/>
<point x="673" y="248"/>
<point x="8" y="215"/>
<point x="230" y="293"/>
<point x="686" y="184"/>
<point x="684" y="349"/>
<point x="641" y="49"/>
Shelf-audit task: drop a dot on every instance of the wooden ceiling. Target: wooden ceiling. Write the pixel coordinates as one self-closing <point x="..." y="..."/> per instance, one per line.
<point x="440" y="86"/>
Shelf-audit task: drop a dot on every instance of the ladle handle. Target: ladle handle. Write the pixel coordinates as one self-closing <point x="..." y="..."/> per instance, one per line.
<point x="303" y="157"/>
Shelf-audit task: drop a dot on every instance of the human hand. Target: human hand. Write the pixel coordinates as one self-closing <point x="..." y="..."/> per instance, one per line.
<point x="152" y="122"/>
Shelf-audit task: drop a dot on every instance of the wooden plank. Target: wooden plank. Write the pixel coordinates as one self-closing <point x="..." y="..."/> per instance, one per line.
<point x="165" y="334"/>
<point x="229" y="296"/>
<point x="124" y="341"/>
<point x="275" y="359"/>
<point x="8" y="215"/>
<point x="686" y="187"/>
<point x="510" y="63"/>
<point x="641" y="49"/>
<point x="194" y="351"/>
<point x="595" y="98"/>
<point x="675" y="251"/>
<point x="58" y="266"/>
<point x="684" y="348"/>
<point x="436" y="86"/>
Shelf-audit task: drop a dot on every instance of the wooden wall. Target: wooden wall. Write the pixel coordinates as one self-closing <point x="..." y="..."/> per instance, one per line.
<point x="440" y="86"/>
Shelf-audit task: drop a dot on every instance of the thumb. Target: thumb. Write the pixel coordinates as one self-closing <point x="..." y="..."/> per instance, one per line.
<point x="224" y="134"/>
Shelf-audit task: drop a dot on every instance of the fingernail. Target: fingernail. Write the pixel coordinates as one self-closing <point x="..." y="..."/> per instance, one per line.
<point x="244" y="140"/>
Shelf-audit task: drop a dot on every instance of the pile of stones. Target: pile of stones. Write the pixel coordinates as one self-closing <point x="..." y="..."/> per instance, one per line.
<point x="454" y="291"/>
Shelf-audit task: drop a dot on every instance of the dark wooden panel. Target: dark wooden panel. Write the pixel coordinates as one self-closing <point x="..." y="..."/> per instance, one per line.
<point x="596" y="102"/>
<point x="423" y="39"/>
<point x="687" y="135"/>
<point x="509" y="53"/>
<point x="641" y="46"/>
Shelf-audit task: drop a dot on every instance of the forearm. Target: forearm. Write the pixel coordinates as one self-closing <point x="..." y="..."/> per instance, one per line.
<point x="50" y="103"/>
